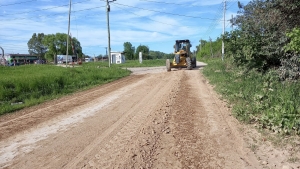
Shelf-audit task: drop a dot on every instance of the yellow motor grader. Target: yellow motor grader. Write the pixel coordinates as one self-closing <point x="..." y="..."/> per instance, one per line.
<point x="183" y="56"/>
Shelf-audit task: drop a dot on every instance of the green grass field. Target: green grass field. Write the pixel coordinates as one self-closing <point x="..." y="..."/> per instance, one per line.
<point x="27" y="85"/>
<point x="131" y="63"/>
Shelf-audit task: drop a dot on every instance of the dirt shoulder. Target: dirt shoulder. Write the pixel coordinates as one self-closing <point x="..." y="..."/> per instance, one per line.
<point x="151" y="119"/>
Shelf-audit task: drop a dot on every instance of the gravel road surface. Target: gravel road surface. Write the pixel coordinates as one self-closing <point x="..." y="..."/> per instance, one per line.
<point x="151" y="119"/>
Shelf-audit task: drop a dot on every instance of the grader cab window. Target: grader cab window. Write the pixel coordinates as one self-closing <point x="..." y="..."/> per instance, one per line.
<point x="181" y="46"/>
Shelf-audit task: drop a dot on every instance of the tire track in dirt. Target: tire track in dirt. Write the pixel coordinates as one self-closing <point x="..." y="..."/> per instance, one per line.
<point x="230" y="125"/>
<point x="195" y="147"/>
<point x="11" y="124"/>
<point x="190" y="131"/>
<point x="166" y="120"/>
<point x="145" y="147"/>
<point x="206" y="138"/>
<point x="25" y="142"/>
<point x="106" y="148"/>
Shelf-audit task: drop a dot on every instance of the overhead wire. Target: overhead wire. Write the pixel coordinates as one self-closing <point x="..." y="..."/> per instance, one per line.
<point x="172" y="3"/>
<point x="9" y="36"/>
<point x="44" y="9"/>
<point x="75" y="22"/>
<point x="215" y="20"/>
<point x="118" y="6"/>
<point x="149" y="18"/>
<point x="144" y="16"/>
<point x="7" y="46"/>
<point x="219" y="14"/>
<point x="13" y="46"/>
<point x="18" y="3"/>
<point x="164" y="12"/>
<point x="213" y="25"/>
<point x="229" y="6"/>
<point x="52" y="14"/>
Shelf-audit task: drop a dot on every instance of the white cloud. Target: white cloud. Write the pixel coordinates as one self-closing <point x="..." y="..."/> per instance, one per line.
<point x="135" y="21"/>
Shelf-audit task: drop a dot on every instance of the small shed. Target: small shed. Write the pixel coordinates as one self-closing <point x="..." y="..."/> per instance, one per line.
<point x="117" y="57"/>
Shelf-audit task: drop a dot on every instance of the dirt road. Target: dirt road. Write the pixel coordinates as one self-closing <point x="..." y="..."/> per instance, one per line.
<point x="151" y="119"/>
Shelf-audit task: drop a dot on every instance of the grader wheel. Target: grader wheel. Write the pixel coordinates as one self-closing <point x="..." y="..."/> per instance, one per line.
<point x="188" y="63"/>
<point x="168" y="65"/>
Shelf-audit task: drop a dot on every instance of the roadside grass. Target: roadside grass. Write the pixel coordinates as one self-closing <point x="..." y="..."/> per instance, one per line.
<point x="27" y="85"/>
<point x="130" y="63"/>
<point x="257" y="98"/>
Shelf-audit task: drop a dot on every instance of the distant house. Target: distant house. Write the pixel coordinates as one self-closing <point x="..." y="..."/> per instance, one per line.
<point x="19" y="59"/>
<point x="89" y="60"/>
<point x="117" y="57"/>
<point x="2" y="60"/>
<point x="63" y="58"/>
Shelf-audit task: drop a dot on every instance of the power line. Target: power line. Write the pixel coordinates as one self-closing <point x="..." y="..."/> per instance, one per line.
<point x="10" y="36"/>
<point x="218" y="15"/>
<point x="89" y="9"/>
<point x="75" y="22"/>
<point x="147" y="17"/>
<point x="18" y="3"/>
<point x="164" y="12"/>
<point x="152" y="20"/>
<point x="18" y="36"/>
<point x="14" y="46"/>
<point x="216" y="22"/>
<point x="161" y="2"/>
<point x="44" y="9"/>
<point x="229" y="6"/>
<point x="52" y="14"/>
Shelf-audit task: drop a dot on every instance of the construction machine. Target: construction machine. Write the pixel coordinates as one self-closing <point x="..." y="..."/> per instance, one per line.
<point x="183" y="57"/>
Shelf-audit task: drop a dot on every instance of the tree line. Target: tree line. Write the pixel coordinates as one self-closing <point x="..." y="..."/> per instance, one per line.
<point x="267" y="36"/>
<point x="48" y="46"/>
<point x="133" y="54"/>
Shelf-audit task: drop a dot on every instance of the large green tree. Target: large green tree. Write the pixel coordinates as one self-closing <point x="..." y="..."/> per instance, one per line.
<point x="57" y="45"/>
<point x="35" y="45"/>
<point x="159" y="55"/>
<point x="261" y="31"/>
<point x="210" y="48"/>
<point x="145" y="51"/>
<point x="294" y="44"/>
<point x="129" y="51"/>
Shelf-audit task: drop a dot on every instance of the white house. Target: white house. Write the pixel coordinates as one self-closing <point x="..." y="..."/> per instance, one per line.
<point x="89" y="60"/>
<point x="117" y="57"/>
<point x="63" y="58"/>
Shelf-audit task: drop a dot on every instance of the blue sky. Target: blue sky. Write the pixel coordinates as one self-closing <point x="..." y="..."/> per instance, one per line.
<point x="154" y="23"/>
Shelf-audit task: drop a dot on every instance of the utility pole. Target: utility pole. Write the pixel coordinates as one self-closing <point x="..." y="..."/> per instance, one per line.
<point x="223" y="29"/>
<point x="3" y="58"/>
<point x="108" y="30"/>
<point x="106" y="54"/>
<point x="200" y="44"/>
<point x="232" y="23"/>
<point x="68" y="34"/>
<point x="210" y="47"/>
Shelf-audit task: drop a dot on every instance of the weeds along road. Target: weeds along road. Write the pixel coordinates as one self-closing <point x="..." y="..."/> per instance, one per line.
<point x="151" y="119"/>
